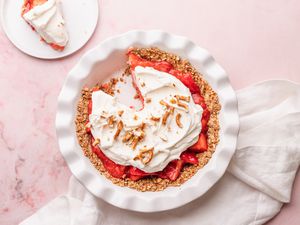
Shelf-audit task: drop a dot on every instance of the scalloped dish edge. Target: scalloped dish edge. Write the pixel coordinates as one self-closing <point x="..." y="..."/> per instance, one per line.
<point x="124" y="197"/>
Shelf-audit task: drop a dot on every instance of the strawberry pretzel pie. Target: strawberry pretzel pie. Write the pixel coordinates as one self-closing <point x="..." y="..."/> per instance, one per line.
<point x="167" y="140"/>
<point x="45" y="17"/>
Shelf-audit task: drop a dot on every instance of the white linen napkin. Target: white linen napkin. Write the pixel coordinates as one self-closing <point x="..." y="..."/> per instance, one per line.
<point x="258" y="181"/>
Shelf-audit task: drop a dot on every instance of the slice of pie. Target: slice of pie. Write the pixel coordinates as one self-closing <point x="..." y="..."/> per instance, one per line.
<point x="45" y="17"/>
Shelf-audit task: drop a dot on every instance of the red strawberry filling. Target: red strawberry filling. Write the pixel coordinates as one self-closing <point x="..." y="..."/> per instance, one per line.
<point x="114" y="169"/>
<point x="173" y="169"/>
<point x="189" y="157"/>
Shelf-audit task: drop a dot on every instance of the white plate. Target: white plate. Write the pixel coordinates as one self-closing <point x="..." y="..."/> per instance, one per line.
<point x="81" y="18"/>
<point x="101" y="62"/>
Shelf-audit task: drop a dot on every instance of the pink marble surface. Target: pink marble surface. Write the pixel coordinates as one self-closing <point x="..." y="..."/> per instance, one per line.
<point x="253" y="40"/>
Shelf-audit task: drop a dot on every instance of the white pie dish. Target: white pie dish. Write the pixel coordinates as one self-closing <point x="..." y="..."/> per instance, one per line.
<point x="102" y="61"/>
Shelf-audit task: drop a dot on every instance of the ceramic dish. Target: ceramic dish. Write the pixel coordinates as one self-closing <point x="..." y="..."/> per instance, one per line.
<point x="98" y="64"/>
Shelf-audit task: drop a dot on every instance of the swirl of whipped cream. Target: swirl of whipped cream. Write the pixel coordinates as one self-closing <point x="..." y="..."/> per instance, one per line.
<point x="47" y="20"/>
<point x="167" y="125"/>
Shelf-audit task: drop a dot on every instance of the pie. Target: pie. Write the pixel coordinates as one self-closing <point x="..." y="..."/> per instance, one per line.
<point x="167" y="140"/>
<point x="45" y="17"/>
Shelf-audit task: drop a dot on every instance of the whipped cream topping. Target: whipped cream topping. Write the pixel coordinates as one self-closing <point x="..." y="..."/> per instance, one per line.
<point x="148" y="139"/>
<point x="47" y="20"/>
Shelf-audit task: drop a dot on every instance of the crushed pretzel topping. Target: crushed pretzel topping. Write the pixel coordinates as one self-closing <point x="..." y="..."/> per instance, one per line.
<point x="162" y="102"/>
<point x="165" y="117"/>
<point x="148" y="100"/>
<point x="179" y="124"/>
<point x="143" y="84"/>
<point x="135" y="142"/>
<point x="145" y="155"/>
<point x="156" y="119"/>
<point x="142" y="127"/>
<point x="141" y="134"/>
<point x="128" y="135"/>
<point x="183" y="98"/>
<point x="119" y="129"/>
<point x="109" y="87"/>
<point x="96" y="142"/>
<point x="134" y="136"/>
<point x="120" y="113"/>
<point x="135" y="117"/>
<point x="173" y="101"/>
<point x="180" y="104"/>
<point x="111" y="120"/>
<point x="171" y="108"/>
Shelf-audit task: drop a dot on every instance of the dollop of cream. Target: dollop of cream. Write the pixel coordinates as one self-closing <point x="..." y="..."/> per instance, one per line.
<point x="161" y="92"/>
<point x="48" y="21"/>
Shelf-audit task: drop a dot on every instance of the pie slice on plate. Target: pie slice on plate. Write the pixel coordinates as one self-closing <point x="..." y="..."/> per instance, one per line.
<point x="45" y="17"/>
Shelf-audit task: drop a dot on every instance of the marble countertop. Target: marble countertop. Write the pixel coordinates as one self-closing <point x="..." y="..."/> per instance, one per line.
<point x="253" y="40"/>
